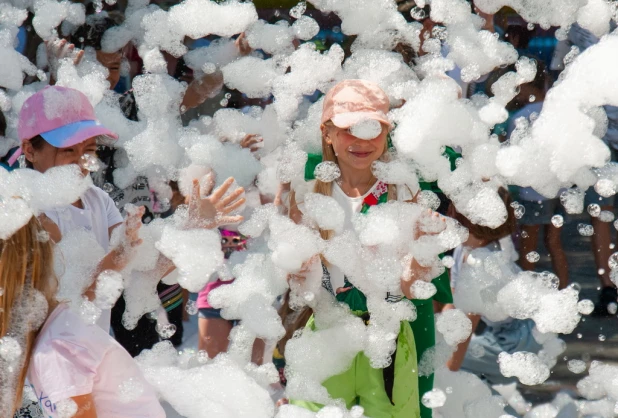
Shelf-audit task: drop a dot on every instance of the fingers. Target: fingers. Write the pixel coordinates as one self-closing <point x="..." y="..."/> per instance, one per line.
<point x="221" y="190"/>
<point x="229" y="220"/>
<point x="226" y="200"/>
<point x="195" y="190"/>
<point x="208" y="183"/>
<point x="78" y="57"/>
<point x="234" y="206"/>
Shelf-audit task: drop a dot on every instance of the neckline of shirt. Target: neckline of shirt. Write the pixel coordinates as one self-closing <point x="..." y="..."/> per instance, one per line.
<point x="340" y="190"/>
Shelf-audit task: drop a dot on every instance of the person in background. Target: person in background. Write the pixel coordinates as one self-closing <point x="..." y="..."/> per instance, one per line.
<point x="538" y="209"/>
<point x="214" y="331"/>
<point x="602" y="246"/>
<point x="510" y="335"/>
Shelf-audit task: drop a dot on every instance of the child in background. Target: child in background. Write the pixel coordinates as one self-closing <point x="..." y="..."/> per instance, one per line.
<point x="215" y="330"/>
<point x="510" y="335"/>
<point x="539" y="209"/>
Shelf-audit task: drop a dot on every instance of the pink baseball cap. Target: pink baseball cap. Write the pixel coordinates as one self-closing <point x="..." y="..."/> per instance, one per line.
<point x="62" y="116"/>
<point x="352" y="101"/>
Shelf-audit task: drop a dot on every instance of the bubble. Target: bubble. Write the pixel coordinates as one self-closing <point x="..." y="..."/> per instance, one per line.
<point x="417" y="13"/>
<point x="202" y="356"/>
<point x="428" y="199"/>
<point x="209" y="68"/>
<point x="10" y="350"/>
<point x="66" y="408"/>
<point x="612" y="262"/>
<point x="297" y="11"/>
<point x="572" y="200"/>
<point x="327" y="171"/>
<point x="575" y="286"/>
<point x="228" y="95"/>
<point x="476" y="350"/>
<point x="616" y="224"/>
<point x="576" y="366"/>
<point x="191" y="307"/>
<point x="42" y="236"/>
<point x="130" y="389"/>
<point x="448" y="261"/>
<point x="585" y="307"/>
<point x="166" y="331"/>
<point x="449" y="390"/>
<point x="579" y="335"/>
<point x="557" y="221"/>
<point x="223" y="102"/>
<point x="606" y="216"/>
<point x="602" y="337"/>
<point x="612" y="307"/>
<point x="89" y="162"/>
<point x="108" y="187"/>
<point x="532" y="98"/>
<point x="533" y="256"/>
<point x="530" y="26"/>
<point x="519" y="211"/>
<point x="605" y="187"/>
<point x="366" y="129"/>
<point x="585" y="230"/>
<point x="524" y="234"/>
<point x="308" y="296"/>
<point x="594" y="210"/>
<point x="435" y="398"/>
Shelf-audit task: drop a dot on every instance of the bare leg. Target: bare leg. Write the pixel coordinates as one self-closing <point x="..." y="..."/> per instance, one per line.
<point x="558" y="258"/>
<point x="529" y="240"/>
<point x="600" y="248"/>
<point x="214" y="335"/>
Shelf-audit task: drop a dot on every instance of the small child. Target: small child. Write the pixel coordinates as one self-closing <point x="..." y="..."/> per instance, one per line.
<point x="215" y="330"/>
<point x="68" y="364"/>
<point x="510" y="335"/>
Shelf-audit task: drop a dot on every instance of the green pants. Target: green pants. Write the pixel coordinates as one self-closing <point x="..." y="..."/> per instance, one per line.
<point x="363" y="385"/>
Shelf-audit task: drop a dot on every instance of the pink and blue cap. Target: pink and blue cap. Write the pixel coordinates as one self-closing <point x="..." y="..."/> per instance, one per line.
<point x="63" y="117"/>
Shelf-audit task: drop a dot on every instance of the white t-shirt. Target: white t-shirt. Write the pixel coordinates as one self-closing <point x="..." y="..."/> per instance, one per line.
<point x="73" y="359"/>
<point x="98" y="215"/>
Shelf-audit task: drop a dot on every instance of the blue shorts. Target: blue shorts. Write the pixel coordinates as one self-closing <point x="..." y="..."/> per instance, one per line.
<point x="209" y="313"/>
<point x="212" y="313"/>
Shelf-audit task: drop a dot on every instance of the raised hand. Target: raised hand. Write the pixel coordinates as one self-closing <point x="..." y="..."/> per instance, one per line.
<point x="201" y="89"/>
<point x="252" y="141"/>
<point x="214" y="210"/>
<point x="429" y="223"/>
<point x="57" y="51"/>
<point x="307" y="266"/>
<point x="243" y="45"/>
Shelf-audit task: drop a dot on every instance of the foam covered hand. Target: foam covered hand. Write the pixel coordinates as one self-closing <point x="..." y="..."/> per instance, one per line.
<point x="214" y="210"/>
<point x="57" y="51"/>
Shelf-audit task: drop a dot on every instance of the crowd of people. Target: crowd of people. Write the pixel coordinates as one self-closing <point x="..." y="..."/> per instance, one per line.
<point x="68" y="359"/>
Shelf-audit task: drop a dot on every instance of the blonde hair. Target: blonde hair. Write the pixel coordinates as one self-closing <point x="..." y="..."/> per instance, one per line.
<point x="326" y="189"/>
<point x="26" y="272"/>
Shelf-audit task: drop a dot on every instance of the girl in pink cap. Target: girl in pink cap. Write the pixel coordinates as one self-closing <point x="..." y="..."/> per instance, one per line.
<point x="354" y="128"/>
<point x="67" y="362"/>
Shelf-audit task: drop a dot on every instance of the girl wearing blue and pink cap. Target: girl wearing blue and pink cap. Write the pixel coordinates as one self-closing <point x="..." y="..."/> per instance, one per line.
<point x="65" y="359"/>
